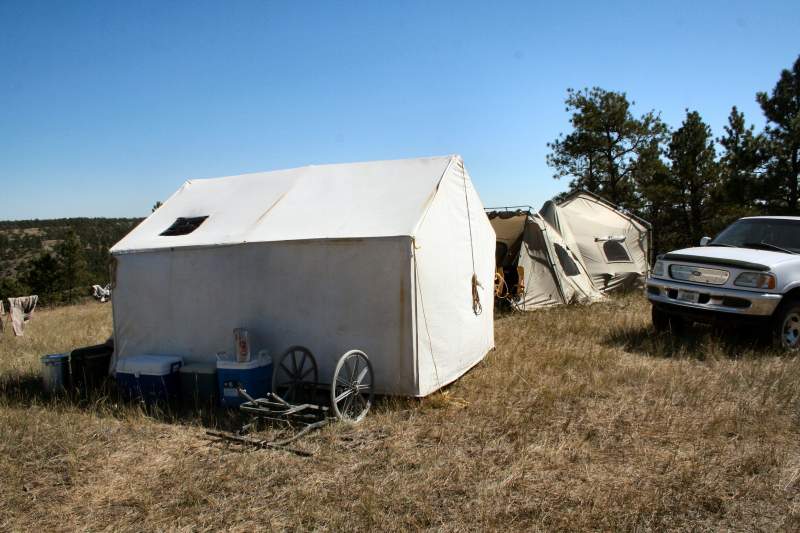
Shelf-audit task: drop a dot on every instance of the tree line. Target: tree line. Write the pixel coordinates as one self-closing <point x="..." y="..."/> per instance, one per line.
<point x="58" y="259"/>
<point x="684" y="181"/>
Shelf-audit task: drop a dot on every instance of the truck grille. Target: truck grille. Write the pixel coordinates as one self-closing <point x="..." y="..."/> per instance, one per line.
<point x="695" y="274"/>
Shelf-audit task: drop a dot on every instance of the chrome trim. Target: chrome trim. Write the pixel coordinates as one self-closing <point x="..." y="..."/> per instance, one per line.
<point x="761" y="304"/>
<point x="698" y="274"/>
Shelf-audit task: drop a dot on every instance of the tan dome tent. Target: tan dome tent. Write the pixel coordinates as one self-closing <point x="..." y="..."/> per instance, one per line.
<point x="390" y="257"/>
<point x="535" y="267"/>
<point x="613" y="245"/>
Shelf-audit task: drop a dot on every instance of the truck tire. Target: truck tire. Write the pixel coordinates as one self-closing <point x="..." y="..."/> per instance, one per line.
<point x="786" y="326"/>
<point x="667" y="323"/>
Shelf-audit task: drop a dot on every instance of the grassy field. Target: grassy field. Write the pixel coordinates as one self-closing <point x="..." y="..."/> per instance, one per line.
<point x="582" y="418"/>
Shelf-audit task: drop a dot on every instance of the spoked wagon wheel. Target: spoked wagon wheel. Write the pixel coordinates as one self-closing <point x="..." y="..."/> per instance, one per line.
<point x="295" y="367"/>
<point x="353" y="386"/>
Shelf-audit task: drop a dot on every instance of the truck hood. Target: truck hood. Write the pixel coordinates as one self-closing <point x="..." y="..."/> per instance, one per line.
<point x="722" y="255"/>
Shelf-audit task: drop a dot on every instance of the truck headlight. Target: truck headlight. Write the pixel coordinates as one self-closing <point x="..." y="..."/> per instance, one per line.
<point x="658" y="268"/>
<point x="756" y="280"/>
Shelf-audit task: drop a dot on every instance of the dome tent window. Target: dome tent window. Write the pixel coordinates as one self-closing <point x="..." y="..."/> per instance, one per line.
<point x="183" y="226"/>
<point x="615" y="252"/>
<point x="567" y="263"/>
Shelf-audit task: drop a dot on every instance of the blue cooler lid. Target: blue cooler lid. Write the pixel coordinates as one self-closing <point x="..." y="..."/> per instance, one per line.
<point x="149" y="365"/>
<point x="256" y="362"/>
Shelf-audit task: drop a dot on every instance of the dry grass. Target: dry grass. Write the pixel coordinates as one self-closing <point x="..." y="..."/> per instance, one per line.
<point x="581" y="419"/>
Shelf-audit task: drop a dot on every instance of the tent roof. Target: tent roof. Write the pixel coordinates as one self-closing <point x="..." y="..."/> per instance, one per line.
<point x="587" y="195"/>
<point x="352" y="200"/>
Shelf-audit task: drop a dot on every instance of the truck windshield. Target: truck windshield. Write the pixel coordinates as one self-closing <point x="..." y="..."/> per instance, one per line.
<point x="780" y="235"/>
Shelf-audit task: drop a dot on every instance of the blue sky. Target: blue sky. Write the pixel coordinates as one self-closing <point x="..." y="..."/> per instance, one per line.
<point x="106" y="107"/>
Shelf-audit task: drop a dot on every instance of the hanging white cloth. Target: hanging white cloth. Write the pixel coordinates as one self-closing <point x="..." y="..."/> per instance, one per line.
<point x="21" y="310"/>
<point x="101" y="293"/>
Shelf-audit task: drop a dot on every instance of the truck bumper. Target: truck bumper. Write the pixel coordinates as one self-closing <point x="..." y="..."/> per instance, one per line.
<point x="713" y="300"/>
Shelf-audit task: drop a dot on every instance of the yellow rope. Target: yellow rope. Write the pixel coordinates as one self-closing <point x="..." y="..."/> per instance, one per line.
<point x="477" y="308"/>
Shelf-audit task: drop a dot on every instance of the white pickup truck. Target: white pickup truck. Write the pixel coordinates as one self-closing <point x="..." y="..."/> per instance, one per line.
<point x="749" y="273"/>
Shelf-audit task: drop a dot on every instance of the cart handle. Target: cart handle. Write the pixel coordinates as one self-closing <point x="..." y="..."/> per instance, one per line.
<point x="243" y="393"/>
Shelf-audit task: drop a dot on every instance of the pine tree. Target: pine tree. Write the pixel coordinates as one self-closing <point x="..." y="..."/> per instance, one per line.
<point x="694" y="173"/>
<point x="604" y="152"/>
<point x="659" y="197"/>
<point x="42" y="276"/>
<point x="782" y="111"/>
<point x="11" y="287"/>
<point x="72" y="265"/>
<point x="742" y="187"/>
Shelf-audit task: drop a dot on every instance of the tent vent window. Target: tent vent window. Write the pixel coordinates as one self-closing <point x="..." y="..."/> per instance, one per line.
<point x="183" y="226"/>
<point x="567" y="263"/>
<point x="616" y="252"/>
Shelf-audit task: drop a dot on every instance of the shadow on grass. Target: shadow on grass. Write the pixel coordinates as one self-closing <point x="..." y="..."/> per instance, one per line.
<point x="24" y="390"/>
<point x="697" y="342"/>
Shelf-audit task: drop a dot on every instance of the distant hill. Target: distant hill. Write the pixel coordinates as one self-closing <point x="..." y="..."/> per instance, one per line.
<point x="24" y="240"/>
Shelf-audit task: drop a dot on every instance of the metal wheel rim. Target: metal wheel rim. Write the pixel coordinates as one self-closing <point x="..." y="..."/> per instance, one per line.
<point x="295" y="366"/>
<point x="353" y="386"/>
<point x="790" y="332"/>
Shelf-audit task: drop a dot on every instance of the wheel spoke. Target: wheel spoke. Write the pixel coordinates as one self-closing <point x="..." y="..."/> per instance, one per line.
<point x="288" y="372"/>
<point x="362" y="374"/>
<point x="355" y="368"/>
<point x="353" y="409"/>
<point x="294" y="363"/>
<point x="346" y="409"/>
<point x="348" y="371"/>
<point x="363" y="404"/>
<point x="344" y="395"/>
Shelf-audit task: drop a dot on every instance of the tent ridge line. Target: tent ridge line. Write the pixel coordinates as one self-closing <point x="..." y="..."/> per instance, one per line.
<point x="430" y="201"/>
<point x="317" y="165"/>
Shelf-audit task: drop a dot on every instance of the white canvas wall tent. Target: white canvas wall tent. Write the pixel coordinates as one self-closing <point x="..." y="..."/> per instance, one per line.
<point x="376" y="256"/>
<point x="612" y="244"/>
<point x="535" y="267"/>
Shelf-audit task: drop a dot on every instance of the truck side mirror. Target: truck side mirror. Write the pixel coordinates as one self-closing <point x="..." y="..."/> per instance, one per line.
<point x="704" y="241"/>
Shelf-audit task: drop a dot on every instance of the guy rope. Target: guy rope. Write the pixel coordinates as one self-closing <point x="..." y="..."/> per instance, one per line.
<point x="477" y="308"/>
